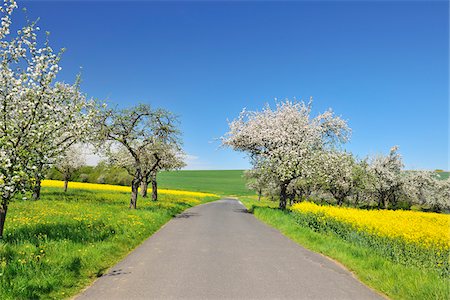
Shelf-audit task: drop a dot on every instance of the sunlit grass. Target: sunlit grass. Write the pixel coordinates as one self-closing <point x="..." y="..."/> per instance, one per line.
<point x="55" y="246"/>
<point x="379" y="271"/>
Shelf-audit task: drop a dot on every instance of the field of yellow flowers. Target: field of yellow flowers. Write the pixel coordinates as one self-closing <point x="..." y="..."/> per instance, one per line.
<point x="118" y="188"/>
<point x="55" y="246"/>
<point x="417" y="238"/>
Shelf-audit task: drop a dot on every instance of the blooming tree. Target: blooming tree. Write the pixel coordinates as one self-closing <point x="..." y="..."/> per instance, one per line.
<point x="360" y="178"/>
<point x="418" y="186"/>
<point x="162" y="157"/>
<point x="39" y="118"/>
<point x="259" y="178"/>
<point x="287" y="137"/>
<point x="386" y="181"/>
<point x="441" y="199"/>
<point x="70" y="161"/>
<point x="427" y="188"/>
<point x="338" y="174"/>
<point x="129" y="134"/>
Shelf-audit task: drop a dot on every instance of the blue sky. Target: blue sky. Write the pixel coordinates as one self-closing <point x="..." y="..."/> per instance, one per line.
<point x="381" y="65"/>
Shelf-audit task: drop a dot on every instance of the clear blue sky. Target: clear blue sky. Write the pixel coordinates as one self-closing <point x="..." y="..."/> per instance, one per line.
<point x="382" y="65"/>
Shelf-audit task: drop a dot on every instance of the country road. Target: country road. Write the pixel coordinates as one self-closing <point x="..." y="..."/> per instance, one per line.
<point x="219" y="251"/>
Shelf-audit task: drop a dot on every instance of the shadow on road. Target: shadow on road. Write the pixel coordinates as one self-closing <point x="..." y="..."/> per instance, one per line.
<point x="186" y="215"/>
<point x="116" y="273"/>
<point x="241" y="210"/>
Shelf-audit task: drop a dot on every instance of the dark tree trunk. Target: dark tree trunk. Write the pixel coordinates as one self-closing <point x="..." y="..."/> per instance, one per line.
<point x="66" y="184"/>
<point x="144" y="188"/>
<point x="259" y="194"/>
<point x="300" y="196"/>
<point x="382" y="201"/>
<point x="154" y="187"/>
<point x="134" y="192"/>
<point x="291" y="198"/>
<point x="3" y="210"/>
<point x="37" y="189"/>
<point x="356" y="199"/>
<point x="283" y="195"/>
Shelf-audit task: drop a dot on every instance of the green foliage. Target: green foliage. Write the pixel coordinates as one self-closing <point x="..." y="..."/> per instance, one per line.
<point x="54" y="247"/>
<point x="396" y="280"/>
<point x="106" y="173"/>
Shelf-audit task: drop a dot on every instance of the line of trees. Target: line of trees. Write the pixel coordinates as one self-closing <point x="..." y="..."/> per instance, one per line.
<point x="296" y="156"/>
<point x="43" y="122"/>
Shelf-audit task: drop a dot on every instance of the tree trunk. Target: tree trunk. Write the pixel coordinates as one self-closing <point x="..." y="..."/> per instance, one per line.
<point x="259" y="194"/>
<point x="134" y="193"/>
<point x="300" y="196"/>
<point x="382" y="202"/>
<point x="37" y="186"/>
<point x="144" y="188"/>
<point x="154" y="187"/>
<point x="37" y="189"/>
<point x="291" y="198"/>
<point x="66" y="184"/>
<point x="3" y="210"/>
<point x="283" y="196"/>
<point x="356" y="199"/>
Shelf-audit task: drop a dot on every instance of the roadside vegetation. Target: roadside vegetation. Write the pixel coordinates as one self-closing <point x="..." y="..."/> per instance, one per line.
<point x="54" y="247"/>
<point x="357" y="211"/>
<point x="374" y="263"/>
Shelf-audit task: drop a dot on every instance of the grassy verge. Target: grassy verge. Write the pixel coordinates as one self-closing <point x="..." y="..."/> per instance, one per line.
<point x="56" y="246"/>
<point x="392" y="279"/>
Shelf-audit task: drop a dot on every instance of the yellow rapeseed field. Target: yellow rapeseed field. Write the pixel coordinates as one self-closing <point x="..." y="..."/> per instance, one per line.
<point x="109" y="187"/>
<point x="427" y="230"/>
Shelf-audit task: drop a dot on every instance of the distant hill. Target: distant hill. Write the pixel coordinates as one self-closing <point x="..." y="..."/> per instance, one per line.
<point x="224" y="182"/>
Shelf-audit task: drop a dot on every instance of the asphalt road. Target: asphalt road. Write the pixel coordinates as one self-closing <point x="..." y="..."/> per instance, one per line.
<point x="219" y="251"/>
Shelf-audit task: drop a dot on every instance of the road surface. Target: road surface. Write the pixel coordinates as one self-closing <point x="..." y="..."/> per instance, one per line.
<point x="219" y="251"/>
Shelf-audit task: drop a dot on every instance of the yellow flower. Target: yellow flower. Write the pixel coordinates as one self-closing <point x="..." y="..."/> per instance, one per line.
<point x="428" y="230"/>
<point x="118" y="188"/>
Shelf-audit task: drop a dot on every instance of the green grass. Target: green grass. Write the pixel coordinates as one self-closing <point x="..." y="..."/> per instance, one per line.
<point x="56" y="246"/>
<point x="223" y="182"/>
<point x="395" y="280"/>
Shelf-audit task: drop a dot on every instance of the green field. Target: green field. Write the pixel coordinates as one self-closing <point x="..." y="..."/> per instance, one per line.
<point x="223" y="182"/>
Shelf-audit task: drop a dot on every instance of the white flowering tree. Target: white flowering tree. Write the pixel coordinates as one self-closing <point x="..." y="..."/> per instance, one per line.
<point x="418" y="186"/>
<point x="129" y="134"/>
<point x="69" y="162"/>
<point x="39" y="118"/>
<point x="426" y="188"/>
<point x="288" y="137"/>
<point x="360" y="178"/>
<point x="164" y="157"/>
<point x="386" y="177"/>
<point x="441" y="196"/>
<point x="302" y="187"/>
<point x="337" y="174"/>
<point x="69" y="122"/>
<point x="259" y="178"/>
